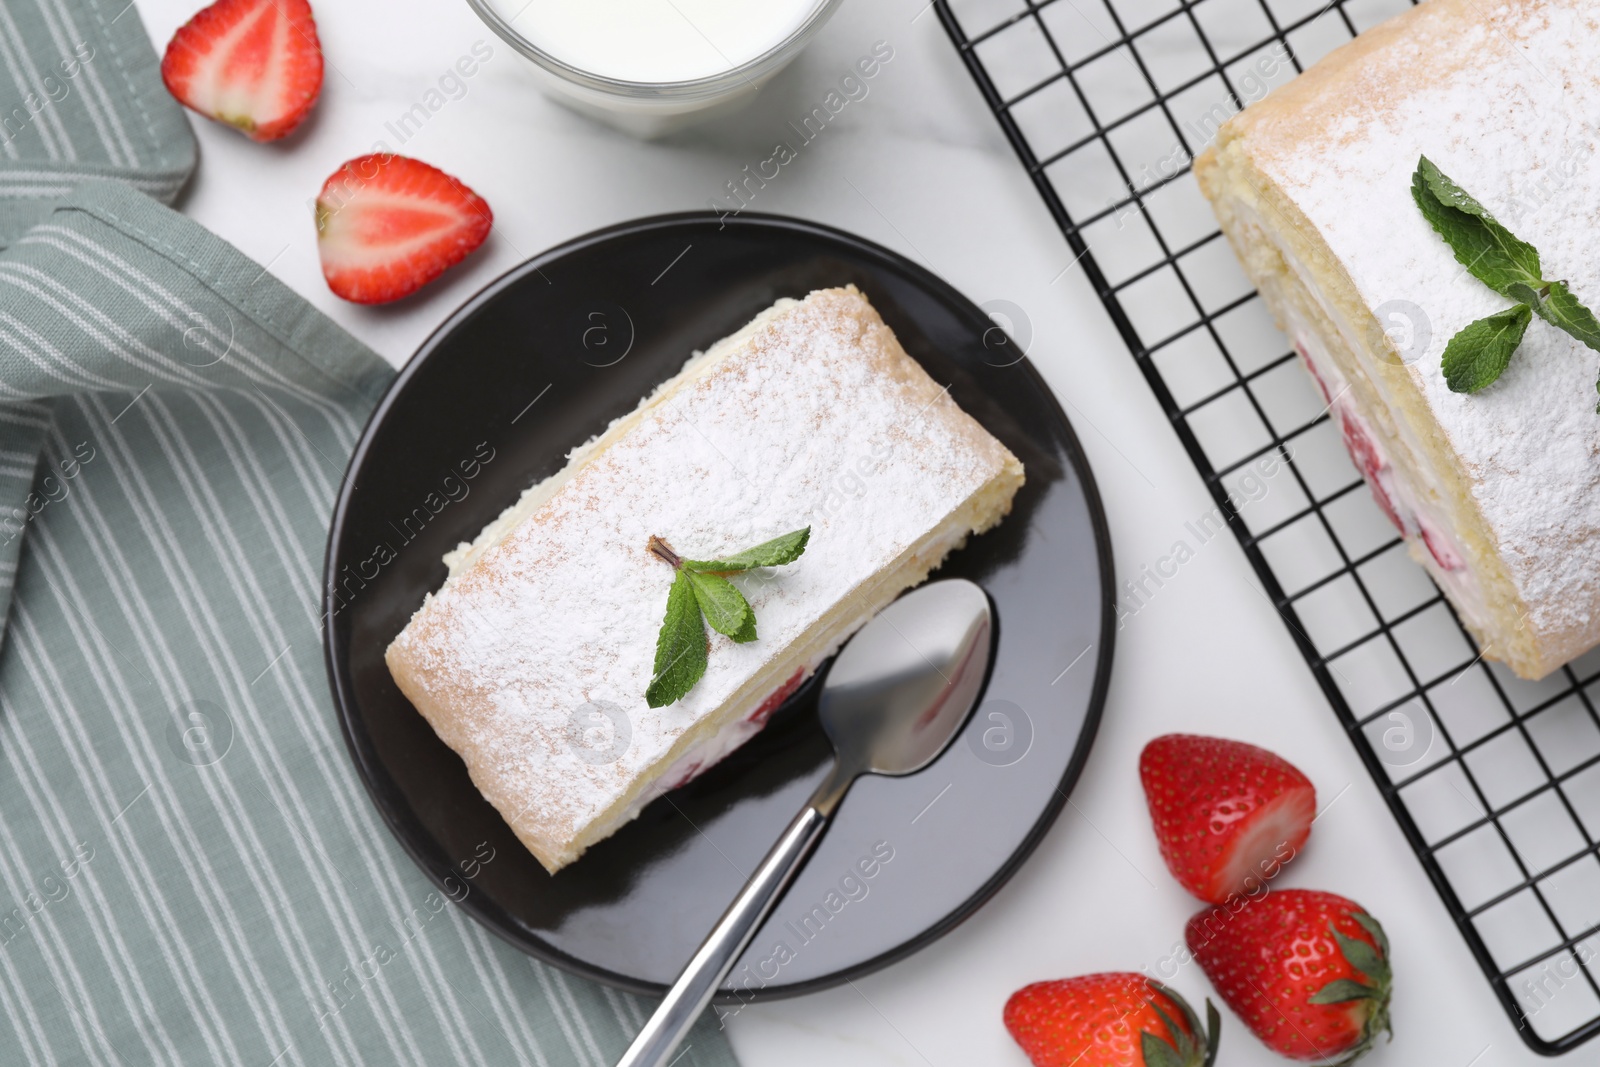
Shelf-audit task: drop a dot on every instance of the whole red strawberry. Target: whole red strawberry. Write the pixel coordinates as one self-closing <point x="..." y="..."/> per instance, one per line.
<point x="1119" y="1019"/>
<point x="387" y="225"/>
<point x="254" y="64"/>
<point x="1308" y="972"/>
<point x="1227" y="815"/>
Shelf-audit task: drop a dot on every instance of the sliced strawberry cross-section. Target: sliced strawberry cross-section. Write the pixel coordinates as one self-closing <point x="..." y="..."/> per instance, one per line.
<point x="1227" y="815"/>
<point x="387" y="225"/>
<point x="254" y="64"/>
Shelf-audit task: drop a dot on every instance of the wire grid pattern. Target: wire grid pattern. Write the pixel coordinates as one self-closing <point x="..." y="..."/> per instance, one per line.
<point x="1495" y="781"/>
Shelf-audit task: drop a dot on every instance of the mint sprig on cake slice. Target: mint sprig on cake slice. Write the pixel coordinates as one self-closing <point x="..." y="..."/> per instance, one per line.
<point x="700" y="594"/>
<point x="1480" y="352"/>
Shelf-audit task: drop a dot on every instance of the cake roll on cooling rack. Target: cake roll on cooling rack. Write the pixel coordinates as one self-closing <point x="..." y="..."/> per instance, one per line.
<point x="1497" y="491"/>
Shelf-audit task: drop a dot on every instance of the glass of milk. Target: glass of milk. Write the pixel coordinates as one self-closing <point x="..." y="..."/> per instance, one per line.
<point x="651" y="66"/>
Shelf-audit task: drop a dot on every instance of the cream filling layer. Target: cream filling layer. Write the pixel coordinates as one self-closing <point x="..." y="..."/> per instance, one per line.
<point x="1408" y="506"/>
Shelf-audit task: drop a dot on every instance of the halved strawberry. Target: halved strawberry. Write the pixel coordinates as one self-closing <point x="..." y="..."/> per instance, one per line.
<point x="254" y="64"/>
<point x="1227" y="814"/>
<point x="388" y="225"/>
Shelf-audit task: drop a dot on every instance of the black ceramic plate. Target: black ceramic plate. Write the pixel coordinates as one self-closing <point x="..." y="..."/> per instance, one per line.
<point x="543" y="359"/>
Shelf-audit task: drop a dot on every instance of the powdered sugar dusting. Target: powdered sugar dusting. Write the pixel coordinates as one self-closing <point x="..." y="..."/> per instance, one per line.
<point x="563" y="614"/>
<point x="1503" y="96"/>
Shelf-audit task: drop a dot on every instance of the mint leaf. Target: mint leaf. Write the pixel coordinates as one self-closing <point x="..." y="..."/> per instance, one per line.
<point x="1523" y="293"/>
<point x="1566" y="312"/>
<point x="724" y="607"/>
<point x="1479" y="354"/>
<point x="1489" y="251"/>
<point x="773" y="553"/>
<point x="1448" y="192"/>
<point x="700" y="594"/>
<point x="680" y="647"/>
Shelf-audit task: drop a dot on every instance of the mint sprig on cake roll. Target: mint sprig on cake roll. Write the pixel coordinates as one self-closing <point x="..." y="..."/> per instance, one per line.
<point x="1480" y="352"/>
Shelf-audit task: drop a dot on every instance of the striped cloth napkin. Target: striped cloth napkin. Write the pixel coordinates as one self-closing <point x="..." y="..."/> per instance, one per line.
<point x="81" y="97"/>
<point x="190" y="872"/>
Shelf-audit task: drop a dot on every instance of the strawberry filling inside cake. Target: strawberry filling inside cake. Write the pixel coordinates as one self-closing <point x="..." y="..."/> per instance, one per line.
<point x="1406" y="508"/>
<point x="728" y="739"/>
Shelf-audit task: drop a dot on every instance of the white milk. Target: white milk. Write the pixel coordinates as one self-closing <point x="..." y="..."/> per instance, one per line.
<point x="654" y="40"/>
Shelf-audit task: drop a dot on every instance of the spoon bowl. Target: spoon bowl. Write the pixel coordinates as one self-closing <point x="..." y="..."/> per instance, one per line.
<point x="896" y="696"/>
<point x="901" y="689"/>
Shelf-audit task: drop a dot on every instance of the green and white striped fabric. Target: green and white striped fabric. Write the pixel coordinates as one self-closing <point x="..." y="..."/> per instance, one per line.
<point x="81" y="97"/>
<point x="190" y="872"/>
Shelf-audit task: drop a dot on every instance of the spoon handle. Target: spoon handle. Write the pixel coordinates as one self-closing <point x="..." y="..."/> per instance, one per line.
<point x="694" y="988"/>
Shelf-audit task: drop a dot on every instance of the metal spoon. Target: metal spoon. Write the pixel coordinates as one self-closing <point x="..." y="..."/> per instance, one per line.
<point x="897" y="694"/>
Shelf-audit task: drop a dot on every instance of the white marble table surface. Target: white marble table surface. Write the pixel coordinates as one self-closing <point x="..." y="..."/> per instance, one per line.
<point x="921" y="167"/>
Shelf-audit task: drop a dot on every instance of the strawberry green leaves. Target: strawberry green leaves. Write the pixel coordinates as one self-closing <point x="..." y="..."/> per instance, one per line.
<point x="1192" y="1045"/>
<point x="1373" y="963"/>
<point x="700" y="594"/>
<point x="1481" y="351"/>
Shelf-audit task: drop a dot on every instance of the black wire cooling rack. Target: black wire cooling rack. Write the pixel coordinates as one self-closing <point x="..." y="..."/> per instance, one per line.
<point x="1495" y="781"/>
